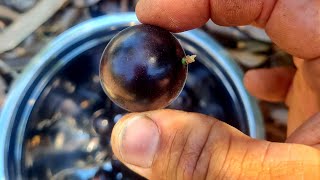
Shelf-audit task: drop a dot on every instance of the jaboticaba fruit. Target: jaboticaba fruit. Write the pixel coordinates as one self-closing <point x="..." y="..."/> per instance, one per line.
<point x="143" y="68"/>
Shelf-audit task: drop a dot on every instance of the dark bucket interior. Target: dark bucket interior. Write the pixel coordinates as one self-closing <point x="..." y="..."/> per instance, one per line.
<point x="69" y="129"/>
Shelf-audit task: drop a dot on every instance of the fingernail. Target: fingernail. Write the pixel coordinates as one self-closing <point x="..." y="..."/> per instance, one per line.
<point x="139" y="141"/>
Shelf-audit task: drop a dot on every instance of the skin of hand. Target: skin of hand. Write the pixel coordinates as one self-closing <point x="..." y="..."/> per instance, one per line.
<point x="167" y="144"/>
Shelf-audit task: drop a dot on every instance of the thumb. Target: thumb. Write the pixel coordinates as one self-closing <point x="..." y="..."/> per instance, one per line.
<point x="169" y="144"/>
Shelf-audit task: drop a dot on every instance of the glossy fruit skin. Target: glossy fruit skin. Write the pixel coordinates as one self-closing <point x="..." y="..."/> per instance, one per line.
<point x="141" y="68"/>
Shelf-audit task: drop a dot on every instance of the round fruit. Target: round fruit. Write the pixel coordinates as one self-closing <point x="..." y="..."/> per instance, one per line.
<point x="143" y="68"/>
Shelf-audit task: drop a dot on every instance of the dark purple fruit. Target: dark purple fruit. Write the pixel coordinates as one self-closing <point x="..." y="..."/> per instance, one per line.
<point x="142" y="68"/>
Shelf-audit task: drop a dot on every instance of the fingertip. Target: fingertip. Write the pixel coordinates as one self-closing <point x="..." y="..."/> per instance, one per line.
<point x="176" y="16"/>
<point x="251" y="82"/>
<point x="136" y="140"/>
<point x="235" y="12"/>
<point x="247" y="79"/>
<point x="117" y="132"/>
<point x="269" y="84"/>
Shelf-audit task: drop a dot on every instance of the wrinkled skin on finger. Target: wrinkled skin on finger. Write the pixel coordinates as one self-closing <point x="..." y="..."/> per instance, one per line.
<point x="195" y="146"/>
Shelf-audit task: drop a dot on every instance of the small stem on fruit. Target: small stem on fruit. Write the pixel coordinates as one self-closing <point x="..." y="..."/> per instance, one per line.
<point x="189" y="59"/>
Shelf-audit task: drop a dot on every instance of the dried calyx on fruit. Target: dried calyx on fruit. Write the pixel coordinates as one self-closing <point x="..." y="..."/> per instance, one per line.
<point x="189" y="59"/>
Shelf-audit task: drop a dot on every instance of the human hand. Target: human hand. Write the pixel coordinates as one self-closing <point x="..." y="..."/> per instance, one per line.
<point x="185" y="145"/>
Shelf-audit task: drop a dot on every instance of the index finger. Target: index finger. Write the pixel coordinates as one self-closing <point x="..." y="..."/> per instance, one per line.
<point x="292" y="25"/>
<point x="181" y="15"/>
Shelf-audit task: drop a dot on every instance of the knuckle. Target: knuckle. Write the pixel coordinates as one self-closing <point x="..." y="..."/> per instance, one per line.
<point x="222" y="159"/>
<point x="189" y="164"/>
<point x="204" y="160"/>
<point x="197" y="146"/>
<point x="222" y="169"/>
<point x="186" y="154"/>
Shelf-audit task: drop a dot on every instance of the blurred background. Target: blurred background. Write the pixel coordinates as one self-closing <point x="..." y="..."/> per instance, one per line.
<point x="27" y="26"/>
